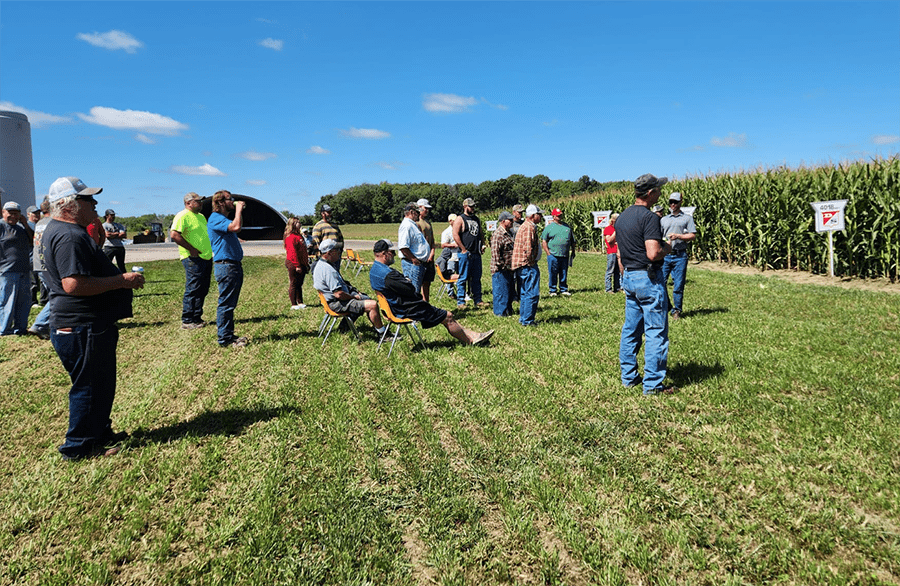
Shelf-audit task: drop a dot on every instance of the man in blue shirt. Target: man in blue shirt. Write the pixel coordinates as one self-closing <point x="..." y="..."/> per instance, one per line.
<point x="227" y="257"/>
<point x="679" y="230"/>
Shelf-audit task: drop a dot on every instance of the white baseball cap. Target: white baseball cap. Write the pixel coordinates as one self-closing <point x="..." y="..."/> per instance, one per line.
<point x="66" y="186"/>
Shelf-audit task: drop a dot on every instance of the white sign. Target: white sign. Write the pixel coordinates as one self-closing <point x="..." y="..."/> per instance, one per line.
<point x="689" y="210"/>
<point x="491" y="225"/>
<point x="829" y="215"/>
<point x="601" y="219"/>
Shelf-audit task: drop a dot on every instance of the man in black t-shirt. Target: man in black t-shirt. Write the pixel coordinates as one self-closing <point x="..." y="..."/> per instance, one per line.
<point x="88" y="294"/>
<point x="641" y="253"/>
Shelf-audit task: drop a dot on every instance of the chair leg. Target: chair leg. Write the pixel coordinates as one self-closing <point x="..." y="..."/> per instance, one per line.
<point x="322" y="325"/>
<point x="394" y="341"/>
<point x="353" y="328"/>
<point x="333" y="321"/>
<point x="419" y="333"/>
<point x="384" y="334"/>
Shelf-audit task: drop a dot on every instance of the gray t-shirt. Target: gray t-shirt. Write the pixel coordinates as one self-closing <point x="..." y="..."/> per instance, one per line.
<point x="14" y="248"/>
<point x="327" y="279"/>
<point x="113" y="242"/>
<point x="37" y="256"/>
<point x="678" y="224"/>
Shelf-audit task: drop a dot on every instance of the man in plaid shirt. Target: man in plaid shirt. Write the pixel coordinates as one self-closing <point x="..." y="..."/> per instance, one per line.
<point x="502" y="276"/>
<point x="526" y="252"/>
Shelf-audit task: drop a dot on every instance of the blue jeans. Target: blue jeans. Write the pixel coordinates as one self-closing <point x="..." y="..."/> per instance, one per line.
<point x="530" y="278"/>
<point x="676" y="265"/>
<point x="15" y="303"/>
<point x="469" y="273"/>
<point x="612" y="273"/>
<point x="558" y="267"/>
<point x="42" y="321"/>
<point x="89" y="356"/>
<point x="197" y="272"/>
<point x="645" y="314"/>
<point x="230" y="278"/>
<point x="503" y="290"/>
<point x="415" y="273"/>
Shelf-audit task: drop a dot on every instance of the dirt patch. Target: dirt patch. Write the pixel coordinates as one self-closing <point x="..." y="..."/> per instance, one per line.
<point x="800" y="277"/>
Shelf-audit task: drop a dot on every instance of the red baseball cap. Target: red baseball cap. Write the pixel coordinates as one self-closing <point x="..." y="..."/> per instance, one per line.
<point x="556" y="212"/>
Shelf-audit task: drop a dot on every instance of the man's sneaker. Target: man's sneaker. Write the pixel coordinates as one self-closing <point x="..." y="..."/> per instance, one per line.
<point x="240" y="342"/>
<point x="193" y="326"/>
<point x="552" y="294"/>
<point x="566" y="294"/>
<point x="98" y="451"/>
<point x="117" y="437"/>
<point x="676" y="314"/>
<point x="299" y="306"/>
<point x="40" y="333"/>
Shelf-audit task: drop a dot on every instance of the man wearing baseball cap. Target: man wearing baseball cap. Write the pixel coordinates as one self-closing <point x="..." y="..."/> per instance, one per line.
<point x="428" y="231"/>
<point x="325" y="229"/>
<point x="227" y="263"/>
<point x="641" y="250"/>
<point x="560" y="248"/>
<point x="405" y="302"/>
<point x="526" y="252"/>
<point x="413" y="246"/>
<point x="15" y="271"/>
<point x="189" y="232"/>
<point x="114" y="248"/>
<point x="679" y="230"/>
<point x="88" y="295"/>
<point x="470" y="239"/>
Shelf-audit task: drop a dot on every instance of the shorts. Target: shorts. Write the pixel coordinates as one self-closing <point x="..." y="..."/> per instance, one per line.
<point x="355" y="307"/>
<point x="428" y="274"/>
<point x="426" y="314"/>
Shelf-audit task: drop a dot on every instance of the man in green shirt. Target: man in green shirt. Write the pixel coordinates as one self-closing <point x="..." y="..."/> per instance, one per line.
<point x="189" y="233"/>
<point x="559" y="246"/>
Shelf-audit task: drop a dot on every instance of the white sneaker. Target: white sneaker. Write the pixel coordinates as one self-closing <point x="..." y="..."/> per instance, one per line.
<point x="300" y="306"/>
<point x="551" y="295"/>
<point x="566" y="294"/>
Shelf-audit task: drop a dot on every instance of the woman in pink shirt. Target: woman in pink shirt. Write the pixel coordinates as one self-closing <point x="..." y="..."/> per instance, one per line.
<point x="612" y="263"/>
<point x="297" y="262"/>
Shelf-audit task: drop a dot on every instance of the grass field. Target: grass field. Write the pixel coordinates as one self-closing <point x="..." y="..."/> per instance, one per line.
<point x="521" y="463"/>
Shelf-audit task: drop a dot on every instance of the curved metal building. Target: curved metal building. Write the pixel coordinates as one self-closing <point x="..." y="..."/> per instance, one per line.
<point x="261" y="221"/>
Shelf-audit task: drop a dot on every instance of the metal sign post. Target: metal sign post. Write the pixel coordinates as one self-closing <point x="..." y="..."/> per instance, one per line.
<point x="829" y="218"/>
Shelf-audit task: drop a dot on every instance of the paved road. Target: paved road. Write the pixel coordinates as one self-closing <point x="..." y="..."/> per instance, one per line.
<point x="135" y="254"/>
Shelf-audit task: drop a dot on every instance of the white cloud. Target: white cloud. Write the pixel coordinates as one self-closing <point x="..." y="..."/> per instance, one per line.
<point x="205" y="169"/>
<point x="317" y="150"/>
<point x="498" y="106"/>
<point x="369" y="133"/>
<point x="255" y="156"/>
<point x="732" y="140"/>
<point x="553" y="122"/>
<point x="389" y="165"/>
<point x="147" y="122"/>
<point x="256" y="182"/>
<point x="447" y="103"/>
<point x="36" y="119"/>
<point x="885" y="139"/>
<point x="266" y="20"/>
<point x="113" y="40"/>
<point x="273" y="44"/>
<point x="144" y="139"/>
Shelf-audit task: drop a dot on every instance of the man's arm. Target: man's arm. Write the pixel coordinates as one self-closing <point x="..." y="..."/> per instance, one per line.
<point x="86" y="286"/>
<point x="181" y="241"/>
<point x="457" y="234"/>
<point x="686" y="237"/>
<point x="238" y="222"/>
<point x="409" y="256"/>
<point x="656" y="250"/>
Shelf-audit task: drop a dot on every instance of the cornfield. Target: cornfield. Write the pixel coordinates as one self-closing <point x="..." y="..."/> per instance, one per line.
<point x="764" y="219"/>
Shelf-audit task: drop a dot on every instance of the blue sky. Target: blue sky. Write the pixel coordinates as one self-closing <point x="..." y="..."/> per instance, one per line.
<point x="290" y="101"/>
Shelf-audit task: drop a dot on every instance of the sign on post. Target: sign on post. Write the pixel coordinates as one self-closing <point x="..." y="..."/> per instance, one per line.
<point x="491" y="225"/>
<point x="829" y="218"/>
<point x="601" y="219"/>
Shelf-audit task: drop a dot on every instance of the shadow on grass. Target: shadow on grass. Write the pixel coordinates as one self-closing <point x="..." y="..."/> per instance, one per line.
<point x="558" y="319"/>
<point x="704" y="311"/>
<point x="288" y="336"/>
<point x="228" y="422"/>
<point x="152" y="294"/>
<point x="259" y="319"/>
<point x="692" y="372"/>
<point x="129" y="325"/>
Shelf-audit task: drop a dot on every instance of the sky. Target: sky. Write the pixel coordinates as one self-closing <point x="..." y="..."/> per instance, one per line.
<point x="290" y="101"/>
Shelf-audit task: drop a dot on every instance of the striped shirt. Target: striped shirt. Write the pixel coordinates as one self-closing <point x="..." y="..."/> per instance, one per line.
<point x="323" y="231"/>
<point x="501" y="250"/>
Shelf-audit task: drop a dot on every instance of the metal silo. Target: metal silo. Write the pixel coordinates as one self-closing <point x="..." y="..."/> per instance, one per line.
<point x="16" y="164"/>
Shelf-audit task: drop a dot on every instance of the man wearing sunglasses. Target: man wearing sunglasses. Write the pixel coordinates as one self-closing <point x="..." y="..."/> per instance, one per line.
<point x="678" y="230"/>
<point x="227" y="257"/>
<point x="88" y="294"/>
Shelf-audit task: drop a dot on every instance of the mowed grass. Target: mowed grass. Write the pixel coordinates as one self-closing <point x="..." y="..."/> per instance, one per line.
<point x="524" y="462"/>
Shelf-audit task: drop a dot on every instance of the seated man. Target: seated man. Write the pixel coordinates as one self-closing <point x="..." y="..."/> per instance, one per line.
<point x="405" y="302"/>
<point x="341" y="296"/>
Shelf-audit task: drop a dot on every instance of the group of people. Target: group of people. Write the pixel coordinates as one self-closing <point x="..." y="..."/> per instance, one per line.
<point x="88" y="294"/>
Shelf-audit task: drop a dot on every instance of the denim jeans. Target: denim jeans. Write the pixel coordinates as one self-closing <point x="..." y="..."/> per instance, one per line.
<point x="42" y="321"/>
<point x="612" y="273"/>
<point x="197" y="272"/>
<point x="645" y="314"/>
<point x="469" y="273"/>
<point x="230" y="278"/>
<point x="503" y="291"/>
<point x="558" y="267"/>
<point x="116" y="255"/>
<point x="89" y="356"/>
<point x="676" y="265"/>
<point x="530" y="278"/>
<point x="415" y="273"/>
<point x="15" y="303"/>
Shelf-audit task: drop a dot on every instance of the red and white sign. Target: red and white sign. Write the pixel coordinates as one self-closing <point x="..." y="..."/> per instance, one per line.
<point x="829" y="215"/>
<point x="601" y="219"/>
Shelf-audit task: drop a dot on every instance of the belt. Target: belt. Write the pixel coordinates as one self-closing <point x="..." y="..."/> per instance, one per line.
<point x="227" y="261"/>
<point x="632" y="270"/>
